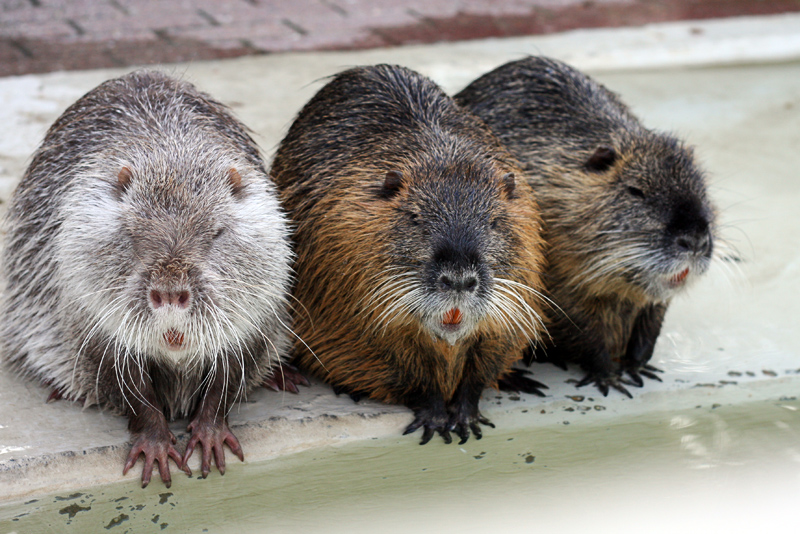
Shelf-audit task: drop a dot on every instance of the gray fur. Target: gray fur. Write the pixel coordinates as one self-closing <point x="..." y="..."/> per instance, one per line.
<point x="620" y="203"/>
<point x="82" y="251"/>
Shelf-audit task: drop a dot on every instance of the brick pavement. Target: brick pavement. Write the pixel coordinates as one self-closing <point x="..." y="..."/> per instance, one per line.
<point x="48" y="35"/>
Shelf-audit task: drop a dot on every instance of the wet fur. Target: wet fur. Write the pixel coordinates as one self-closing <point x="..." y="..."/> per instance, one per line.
<point x="82" y="250"/>
<point x="615" y="197"/>
<point x="364" y="251"/>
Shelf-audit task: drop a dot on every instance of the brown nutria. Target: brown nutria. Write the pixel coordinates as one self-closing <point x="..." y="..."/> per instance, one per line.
<point x="147" y="262"/>
<point x="418" y="252"/>
<point x="627" y="218"/>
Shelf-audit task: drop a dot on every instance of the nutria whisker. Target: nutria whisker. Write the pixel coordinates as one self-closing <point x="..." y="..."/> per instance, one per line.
<point x="92" y="294"/>
<point x="108" y="310"/>
<point x="142" y="212"/>
<point x="395" y="195"/>
<point x="532" y="322"/>
<point x="622" y="206"/>
<point x="512" y="286"/>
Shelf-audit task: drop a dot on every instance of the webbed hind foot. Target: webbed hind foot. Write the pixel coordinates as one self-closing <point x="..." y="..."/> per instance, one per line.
<point x="515" y="381"/>
<point x="286" y="377"/>
<point x="637" y="372"/>
<point x="605" y="381"/>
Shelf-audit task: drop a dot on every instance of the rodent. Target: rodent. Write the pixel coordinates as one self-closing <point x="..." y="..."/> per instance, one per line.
<point x="418" y="250"/>
<point x="627" y="215"/>
<point x="147" y="264"/>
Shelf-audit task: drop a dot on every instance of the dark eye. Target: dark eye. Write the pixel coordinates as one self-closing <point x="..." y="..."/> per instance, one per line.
<point x="635" y="191"/>
<point x="219" y="233"/>
<point x="495" y="224"/>
<point x="413" y="218"/>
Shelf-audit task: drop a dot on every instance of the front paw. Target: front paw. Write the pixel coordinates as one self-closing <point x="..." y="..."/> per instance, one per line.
<point x="461" y="422"/>
<point x="212" y="435"/>
<point x="431" y="419"/>
<point x="157" y="446"/>
<point x="604" y="381"/>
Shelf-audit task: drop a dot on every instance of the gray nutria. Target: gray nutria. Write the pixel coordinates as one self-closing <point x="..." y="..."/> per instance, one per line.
<point x="627" y="217"/>
<point x="418" y="252"/>
<point x="147" y="263"/>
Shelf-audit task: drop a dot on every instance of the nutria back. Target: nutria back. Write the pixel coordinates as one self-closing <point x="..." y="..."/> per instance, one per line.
<point x="627" y="215"/>
<point x="145" y="244"/>
<point x="418" y="251"/>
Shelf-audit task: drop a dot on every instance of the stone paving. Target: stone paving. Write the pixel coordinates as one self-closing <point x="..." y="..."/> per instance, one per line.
<point x="48" y="35"/>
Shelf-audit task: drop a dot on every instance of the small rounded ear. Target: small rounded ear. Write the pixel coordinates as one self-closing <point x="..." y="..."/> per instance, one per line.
<point x="124" y="179"/>
<point x="509" y="183"/>
<point x="392" y="183"/>
<point x="602" y="159"/>
<point x="235" y="179"/>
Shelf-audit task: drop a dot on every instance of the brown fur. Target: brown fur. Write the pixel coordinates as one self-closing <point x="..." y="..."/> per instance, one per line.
<point x="356" y="228"/>
<point x="625" y="211"/>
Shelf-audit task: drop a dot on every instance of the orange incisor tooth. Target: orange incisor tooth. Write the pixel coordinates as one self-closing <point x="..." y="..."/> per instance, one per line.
<point x="173" y="338"/>
<point x="681" y="276"/>
<point x="453" y="316"/>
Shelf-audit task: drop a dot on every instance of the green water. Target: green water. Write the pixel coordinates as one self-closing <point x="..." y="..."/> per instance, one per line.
<point x="710" y="469"/>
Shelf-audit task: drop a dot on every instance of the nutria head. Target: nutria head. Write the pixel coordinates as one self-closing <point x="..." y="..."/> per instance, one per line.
<point x="175" y="255"/>
<point x="450" y="247"/>
<point x="649" y="220"/>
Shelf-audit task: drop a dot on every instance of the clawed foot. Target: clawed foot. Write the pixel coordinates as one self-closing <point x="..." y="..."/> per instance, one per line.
<point x="158" y="447"/>
<point x="431" y="420"/>
<point x="516" y="381"/>
<point x="460" y="417"/>
<point x="462" y="422"/>
<point x="212" y="436"/>
<point x="286" y="377"/>
<point x="648" y="371"/>
<point x="604" y="381"/>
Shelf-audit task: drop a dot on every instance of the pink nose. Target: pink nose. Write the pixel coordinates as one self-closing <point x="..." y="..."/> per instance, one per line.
<point x="179" y="299"/>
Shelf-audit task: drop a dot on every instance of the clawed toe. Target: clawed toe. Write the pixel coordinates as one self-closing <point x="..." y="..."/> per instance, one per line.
<point x="431" y="420"/>
<point x="516" y="381"/>
<point x="604" y="382"/>
<point x="647" y="371"/>
<point x="286" y="377"/>
<point x="212" y="438"/>
<point x="156" y="447"/>
<point x="464" y="424"/>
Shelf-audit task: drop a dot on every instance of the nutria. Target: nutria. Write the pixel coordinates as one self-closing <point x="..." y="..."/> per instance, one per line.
<point x="147" y="263"/>
<point x="418" y="251"/>
<point x="626" y="213"/>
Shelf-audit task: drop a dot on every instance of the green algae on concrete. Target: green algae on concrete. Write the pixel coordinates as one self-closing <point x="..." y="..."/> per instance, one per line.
<point x="723" y="468"/>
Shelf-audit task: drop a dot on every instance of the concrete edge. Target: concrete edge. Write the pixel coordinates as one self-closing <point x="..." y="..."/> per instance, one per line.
<point x="280" y="436"/>
<point x="27" y="478"/>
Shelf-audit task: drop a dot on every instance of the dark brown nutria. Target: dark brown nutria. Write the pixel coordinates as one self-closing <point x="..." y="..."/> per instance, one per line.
<point x="147" y="264"/>
<point x="627" y="217"/>
<point x="418" y="252"/>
